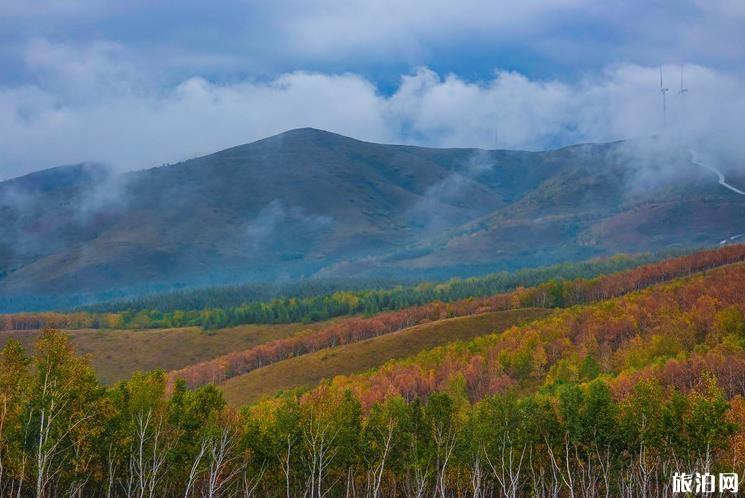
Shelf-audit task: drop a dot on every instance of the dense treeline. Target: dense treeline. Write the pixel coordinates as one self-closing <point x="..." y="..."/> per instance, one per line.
<point x="67" y="302"/>
<point x="63" y="434"/>
<point x="550" y="294"/>
<point x="573" y="440"/>
<point x="229" y="306"/>
<point x="229" y="296"/>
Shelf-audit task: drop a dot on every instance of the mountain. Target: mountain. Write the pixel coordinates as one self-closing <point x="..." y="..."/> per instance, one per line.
<point x="313" y="203"/>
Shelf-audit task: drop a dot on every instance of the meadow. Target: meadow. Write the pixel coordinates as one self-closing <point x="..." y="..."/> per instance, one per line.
<point x="116" y="354"/>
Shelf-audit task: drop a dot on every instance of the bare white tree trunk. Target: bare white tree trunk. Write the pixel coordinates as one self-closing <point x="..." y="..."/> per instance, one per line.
<point x="476" y="475"/>
<point x="379" y="469"/>
<point x="286" y="463"/>
<point x="421" y="477"/>
<point x="51" y="445"/>
<point x="320" y="442"/>
<point x="110" y="471"/>
<point x="221" y="472"/>
<point x="563" y="471"/>
<point x="445" y="441"/>
<point x="507" y="472"/>
<point x="148" y="456"/>
<point x="251" y="483"/>
<point x="604" y="462"/>
<point x="418" y="483"/>
<point x="194" y="471"/>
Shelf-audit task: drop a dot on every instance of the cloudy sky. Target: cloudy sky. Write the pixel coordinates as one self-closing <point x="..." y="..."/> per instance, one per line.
<point x="139" y="83"/>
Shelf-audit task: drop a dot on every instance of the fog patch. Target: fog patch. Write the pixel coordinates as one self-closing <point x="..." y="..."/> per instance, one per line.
<point x="261" y="230"/>
<point x="278" y="227"/>
<point x="49" y="210"/>
<point x="445" y="202"/>
<point x="108" y="194"/>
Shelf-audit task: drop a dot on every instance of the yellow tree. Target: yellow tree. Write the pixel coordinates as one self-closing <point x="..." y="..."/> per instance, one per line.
<point x="65" y="409"/>
<point x="14" y="384"/>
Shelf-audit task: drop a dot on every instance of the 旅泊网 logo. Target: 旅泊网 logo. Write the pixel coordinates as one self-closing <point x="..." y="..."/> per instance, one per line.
<point x="705" y="483"/>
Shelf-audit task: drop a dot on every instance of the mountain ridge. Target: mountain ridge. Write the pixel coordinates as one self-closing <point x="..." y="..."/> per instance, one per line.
<point x="310" y="203"/>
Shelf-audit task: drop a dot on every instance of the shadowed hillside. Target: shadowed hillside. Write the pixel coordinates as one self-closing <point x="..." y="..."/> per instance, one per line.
<point x="312" y="203"/>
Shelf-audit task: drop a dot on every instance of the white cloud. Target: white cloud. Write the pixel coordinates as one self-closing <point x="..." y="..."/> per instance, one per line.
<point x="232" y="37"/>
<point x="329" y="28"/>
<point x="98" y="110"/>
<point x="96" y="103"/>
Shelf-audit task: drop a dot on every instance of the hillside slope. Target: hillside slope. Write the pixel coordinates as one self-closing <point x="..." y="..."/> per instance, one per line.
<point x="601" y="399"/>
<point x="675" y="332"/>
<point x="307" y="370"/>
<point x="309" y="202"/>
<point x="117" y="354"/>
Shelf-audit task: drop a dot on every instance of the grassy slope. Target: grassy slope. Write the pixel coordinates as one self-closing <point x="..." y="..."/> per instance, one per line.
<point x="309" y="369"/>
<point x="116" y="354"/>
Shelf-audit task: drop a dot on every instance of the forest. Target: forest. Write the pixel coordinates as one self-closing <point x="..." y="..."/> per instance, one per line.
<point x="64" y="435"/>
<point x="387" y="294"/>
<point x="640" y="377"/>
<point x="219" y="307"/>
<point x="552" y="294"/>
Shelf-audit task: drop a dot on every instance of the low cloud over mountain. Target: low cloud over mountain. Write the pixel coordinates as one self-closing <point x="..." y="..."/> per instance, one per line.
<point x="312" y="203"/>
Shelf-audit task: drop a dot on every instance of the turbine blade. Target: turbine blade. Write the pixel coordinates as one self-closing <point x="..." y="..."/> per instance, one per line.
<point x="660" y="77"/>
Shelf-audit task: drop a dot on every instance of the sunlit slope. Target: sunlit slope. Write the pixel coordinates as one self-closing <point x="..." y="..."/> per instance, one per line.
<point x="675" y="333"/>
<point x="309" y="369"/>
<point x="552" y="294"/>
<point x="116" y="354"/>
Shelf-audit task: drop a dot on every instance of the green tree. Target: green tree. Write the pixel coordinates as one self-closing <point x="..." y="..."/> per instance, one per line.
<point x="65" y="411"/>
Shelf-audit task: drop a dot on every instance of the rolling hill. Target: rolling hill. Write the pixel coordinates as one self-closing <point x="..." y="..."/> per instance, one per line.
<point x="307" y="370"/>
<point x="312" y="203"/>
<point x="677" y="333"/>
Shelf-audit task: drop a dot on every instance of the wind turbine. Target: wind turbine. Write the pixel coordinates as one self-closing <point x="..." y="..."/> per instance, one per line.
<point x="683" y="99"/>
<point x="663" y="91"/>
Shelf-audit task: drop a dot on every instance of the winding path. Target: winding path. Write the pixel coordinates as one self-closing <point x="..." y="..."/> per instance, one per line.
<point x="722" y="180"/>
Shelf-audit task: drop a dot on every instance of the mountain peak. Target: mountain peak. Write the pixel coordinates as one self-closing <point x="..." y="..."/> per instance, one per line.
<point x="310" y="132"/>
<point x="308" y="135"/>
<point x="306" y="130"/>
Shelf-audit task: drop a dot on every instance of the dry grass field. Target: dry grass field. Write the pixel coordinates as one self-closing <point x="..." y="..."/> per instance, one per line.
<point x="117" y="354"/>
